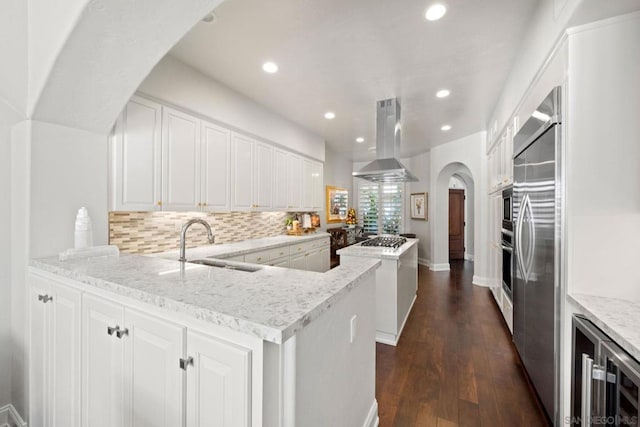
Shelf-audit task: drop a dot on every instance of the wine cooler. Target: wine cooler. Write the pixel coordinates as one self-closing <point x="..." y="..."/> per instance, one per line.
<point x="605" y="379"/>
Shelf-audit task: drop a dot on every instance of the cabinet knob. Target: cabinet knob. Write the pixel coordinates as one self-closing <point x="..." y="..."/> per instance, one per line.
<point x="199" y="205"/>
<point x="122" y="332"/>
<point x="45" y="298"/>
<point x="184" y="363"/>
<point x="204" y="204"/>
<point x="159" y="203"/>
<point x="111" y="330"/>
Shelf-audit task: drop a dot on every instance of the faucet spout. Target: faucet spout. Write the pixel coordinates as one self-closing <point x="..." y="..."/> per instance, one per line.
<point x="183" y="236"/>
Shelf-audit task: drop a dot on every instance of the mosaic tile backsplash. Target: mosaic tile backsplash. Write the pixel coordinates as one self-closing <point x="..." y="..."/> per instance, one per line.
<point x="151" y="232"/>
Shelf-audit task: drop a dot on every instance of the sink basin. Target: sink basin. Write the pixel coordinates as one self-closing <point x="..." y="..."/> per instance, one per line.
<point x="224" y="264"/>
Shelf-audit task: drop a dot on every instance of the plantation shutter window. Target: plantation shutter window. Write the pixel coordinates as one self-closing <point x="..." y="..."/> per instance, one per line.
<point x="380" y="207"/>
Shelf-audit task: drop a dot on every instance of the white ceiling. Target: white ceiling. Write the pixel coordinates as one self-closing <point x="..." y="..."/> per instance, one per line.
<point x="343" y="56"/>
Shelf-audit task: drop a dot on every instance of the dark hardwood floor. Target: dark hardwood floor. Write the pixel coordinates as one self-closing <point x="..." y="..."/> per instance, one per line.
<point x="455" y="364"/>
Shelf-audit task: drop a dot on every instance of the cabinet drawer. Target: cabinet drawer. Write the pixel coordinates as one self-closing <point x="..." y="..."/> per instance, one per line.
<point x="308" y="246"/>
<point x="259" y="257"/>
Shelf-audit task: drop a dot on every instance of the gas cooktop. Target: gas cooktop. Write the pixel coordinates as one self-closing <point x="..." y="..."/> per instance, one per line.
<point x="385" y="242"/>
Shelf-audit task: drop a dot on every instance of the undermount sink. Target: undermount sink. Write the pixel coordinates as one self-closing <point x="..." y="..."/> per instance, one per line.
<point x="224" y="264"/>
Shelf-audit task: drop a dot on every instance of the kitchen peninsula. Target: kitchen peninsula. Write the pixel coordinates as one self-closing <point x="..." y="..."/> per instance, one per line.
<point x="155" y="339"/>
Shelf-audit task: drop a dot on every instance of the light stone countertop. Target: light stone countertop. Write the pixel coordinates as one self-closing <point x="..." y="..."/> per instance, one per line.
<point x="227" y="250"/>
<point x="616" y="317"/>
<point x="272" y="303"/>
<point x="358" y="250"/>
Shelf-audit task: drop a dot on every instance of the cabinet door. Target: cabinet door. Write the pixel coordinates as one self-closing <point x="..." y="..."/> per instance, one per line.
<point x="136" y="157"/>
<point x="180" y="161"/>
<point x="242" y="173"/>
<point x="65" y="354"/>
<point x="38" y="357"/>
<point x="296" y="182"/>
<point x="281" y="181"/>
<point x="280" y="262"/>
<point x="299" y="262"/>
<point x="313" y="183"/>
<point x="263" y="176"/>
<point x="325" y="256"/>
<point x="103" y="391"/>
<point x="218" y="383"/>
<point x="216" y="163"/>
<point x="153" y="350"/>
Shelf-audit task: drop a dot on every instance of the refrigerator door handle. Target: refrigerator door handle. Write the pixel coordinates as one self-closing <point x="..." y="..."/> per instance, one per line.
<point x="531" y="226"/>
<point x="518" y="238"/>
<point x="587" y="370"/>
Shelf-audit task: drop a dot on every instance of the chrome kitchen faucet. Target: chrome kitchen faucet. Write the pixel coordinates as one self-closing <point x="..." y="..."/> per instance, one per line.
<point x="183" y="235"/>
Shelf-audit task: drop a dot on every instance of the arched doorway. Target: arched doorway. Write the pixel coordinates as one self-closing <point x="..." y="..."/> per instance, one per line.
<point x="459" y="175"/>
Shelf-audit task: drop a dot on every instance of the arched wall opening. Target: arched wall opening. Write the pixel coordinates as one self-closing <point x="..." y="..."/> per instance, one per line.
<point x="440" y="214"/>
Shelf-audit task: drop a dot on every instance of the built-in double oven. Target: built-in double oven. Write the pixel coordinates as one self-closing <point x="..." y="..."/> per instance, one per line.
<point x="507" y="240"/>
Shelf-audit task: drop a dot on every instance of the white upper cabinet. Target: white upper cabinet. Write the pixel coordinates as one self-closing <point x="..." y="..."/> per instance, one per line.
<point x="216" y="168"/>
<point x="166" y="159"/>
<point x="136" y="151"/>
<point x="242" y="170"/>
<point x="312" y="196"/>
<point x="263" y="177"/>
<point x="180" y="161"/>
<point x="281" y="165"/>
<point x="296" y="183"/>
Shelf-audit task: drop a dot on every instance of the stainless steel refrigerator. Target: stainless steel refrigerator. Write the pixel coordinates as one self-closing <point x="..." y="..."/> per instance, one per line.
<point x="537" y="206"/>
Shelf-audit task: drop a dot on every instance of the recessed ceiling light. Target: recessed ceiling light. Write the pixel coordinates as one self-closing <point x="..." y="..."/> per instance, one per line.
<point x="270" y="67"/>
<point x="329" y="115"/>
<point x="359" y="140"/>
<point x="445" y="128"/>
<point x="443" y="93"/>
<point x="435" y="12"/>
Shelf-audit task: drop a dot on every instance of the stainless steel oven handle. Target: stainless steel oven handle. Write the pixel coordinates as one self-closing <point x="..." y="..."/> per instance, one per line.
<point x="587" y="369"/>
<point x="507" y="232"/>
<point x="507" y="248"/>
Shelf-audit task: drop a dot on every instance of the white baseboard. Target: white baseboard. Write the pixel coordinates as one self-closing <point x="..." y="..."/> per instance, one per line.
<point x="391" y="339"/>
<point x="9" y="417"/>
<point x="372" y="418"/>
<point x="481" y="281"/>
<point x="468" y="257"/>
<point x="424" y="261"/>
<point x="440" y="267"/>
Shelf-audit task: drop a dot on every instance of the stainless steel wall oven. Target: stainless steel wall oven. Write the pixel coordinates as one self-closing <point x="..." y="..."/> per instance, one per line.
<point x="507" y="241"/>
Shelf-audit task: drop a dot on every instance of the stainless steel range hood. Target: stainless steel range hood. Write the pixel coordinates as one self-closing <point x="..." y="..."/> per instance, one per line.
<point x="386" y="167"/>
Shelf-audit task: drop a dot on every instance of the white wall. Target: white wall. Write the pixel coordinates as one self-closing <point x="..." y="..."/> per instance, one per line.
<point x="420" y="166"/>
<point x="337" y="173"/>
<point x="446" y="160"/>
<point x="13" y="51"/>
<point x="5" y="267"/>
<point x="603" y="158"/>
<point x="177" y="83"/>
<point x="68" y="171"/>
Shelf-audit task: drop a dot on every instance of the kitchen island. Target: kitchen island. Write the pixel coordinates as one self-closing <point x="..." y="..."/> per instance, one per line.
<point x="147" y="338"/>
<point x="396" y="284"/>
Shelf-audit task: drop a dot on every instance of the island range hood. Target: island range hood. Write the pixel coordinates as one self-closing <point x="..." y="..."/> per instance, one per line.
<point x="386" y="167"/>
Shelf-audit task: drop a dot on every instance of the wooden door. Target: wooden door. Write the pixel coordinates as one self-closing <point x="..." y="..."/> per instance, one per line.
<point x="456" y="224"/>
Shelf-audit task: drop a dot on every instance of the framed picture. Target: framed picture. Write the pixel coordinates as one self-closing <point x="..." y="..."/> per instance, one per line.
<point x="419" y="206"/>
<point x="337" y="204"/>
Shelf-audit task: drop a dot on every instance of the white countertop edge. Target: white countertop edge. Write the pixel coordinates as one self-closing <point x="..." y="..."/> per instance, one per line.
<point x="244" y="247"/>
<point x="616" y="317"/>
<point x="273" y="334"/>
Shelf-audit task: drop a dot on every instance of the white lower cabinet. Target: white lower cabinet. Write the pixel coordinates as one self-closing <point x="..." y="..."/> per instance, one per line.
<point x="299" y="262"/>
<point x="218" y="383"/>
<point x="54" y="348"/>
<point x="97" y="362"/>
<point x="131" y="366"/>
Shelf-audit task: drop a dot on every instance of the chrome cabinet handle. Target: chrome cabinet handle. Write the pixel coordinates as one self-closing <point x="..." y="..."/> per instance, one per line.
<point x="45" y="298"/>
<point x="184" y="363"/>
<point x="587" y="369"/>
<point x="507" y="248"/>
<point x="111" y="330"/>
<point x="122" y="332"/>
